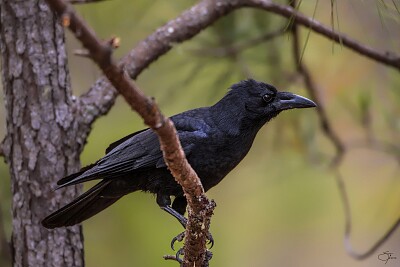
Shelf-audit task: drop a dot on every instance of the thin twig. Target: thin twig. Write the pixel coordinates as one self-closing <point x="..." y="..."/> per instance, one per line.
<point x="388" y="58"/>
<point x="348" y="225"/>
<point x="200" y="208"/>
<point x="378" y="145"/>
<point x="81" y="53"/>
<point x="313" y="91"/>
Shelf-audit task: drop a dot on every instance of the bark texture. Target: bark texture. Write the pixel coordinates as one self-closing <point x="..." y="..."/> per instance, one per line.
<point x="42" y="142"/>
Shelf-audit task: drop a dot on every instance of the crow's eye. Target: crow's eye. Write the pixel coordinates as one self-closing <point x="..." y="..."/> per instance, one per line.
<point x="267" y="98"/>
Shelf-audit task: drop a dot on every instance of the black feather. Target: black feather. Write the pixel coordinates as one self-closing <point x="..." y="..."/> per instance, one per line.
<point x="82" y="208"/>
<point x="120" y="141"/>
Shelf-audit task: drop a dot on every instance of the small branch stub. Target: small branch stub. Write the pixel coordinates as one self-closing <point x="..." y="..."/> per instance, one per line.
<point x="65" y="20"/>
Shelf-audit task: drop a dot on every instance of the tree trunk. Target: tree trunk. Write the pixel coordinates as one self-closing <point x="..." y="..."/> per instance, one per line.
<point x="42" y="142"/>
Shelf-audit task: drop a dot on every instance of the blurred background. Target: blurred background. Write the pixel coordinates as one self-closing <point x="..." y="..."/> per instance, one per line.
<point x="281" y="206"/>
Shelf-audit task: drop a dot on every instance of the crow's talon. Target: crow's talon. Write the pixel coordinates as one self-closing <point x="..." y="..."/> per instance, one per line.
<point x="181" y="236"/>
<point x="178" y="238"/>
<point x="178" y="254"/>
<point x="210" y="240"/>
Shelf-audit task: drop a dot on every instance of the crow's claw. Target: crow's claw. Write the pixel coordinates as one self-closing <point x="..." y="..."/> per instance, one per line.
<point x="178" y="238"/>
<point x="210" y="240"/>
<point x="178" y="254"/>
<point x="181" y="236"/>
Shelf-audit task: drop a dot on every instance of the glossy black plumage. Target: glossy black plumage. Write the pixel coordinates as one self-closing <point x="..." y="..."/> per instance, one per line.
<point x="215" y="139"/>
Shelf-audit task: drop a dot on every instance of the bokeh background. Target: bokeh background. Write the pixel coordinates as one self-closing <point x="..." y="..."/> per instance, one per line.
<point x="281" y="205"/>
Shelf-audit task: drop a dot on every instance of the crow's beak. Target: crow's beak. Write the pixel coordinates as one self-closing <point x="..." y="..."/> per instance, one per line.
<point x="285" y="100"/>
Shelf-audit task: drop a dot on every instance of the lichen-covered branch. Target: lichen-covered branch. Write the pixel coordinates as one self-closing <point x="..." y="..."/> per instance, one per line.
<point x="200" y="208"/>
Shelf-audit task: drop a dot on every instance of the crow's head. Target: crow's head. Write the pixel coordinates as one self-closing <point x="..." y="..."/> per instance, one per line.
<point x="263" y="101"/>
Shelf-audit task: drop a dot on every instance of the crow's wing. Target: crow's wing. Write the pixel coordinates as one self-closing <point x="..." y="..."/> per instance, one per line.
<point x="120" y="141"/>
<point x="138" y="151"/>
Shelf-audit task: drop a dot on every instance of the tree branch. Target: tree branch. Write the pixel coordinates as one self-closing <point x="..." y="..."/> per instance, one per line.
<point x="206" y="12"/>
<point x="388" y="58"/>
<point x="100" y="97"/>
<point x="200" y="208"/>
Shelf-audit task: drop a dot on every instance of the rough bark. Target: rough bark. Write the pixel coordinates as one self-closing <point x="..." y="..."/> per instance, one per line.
<point x="42" y="142"/>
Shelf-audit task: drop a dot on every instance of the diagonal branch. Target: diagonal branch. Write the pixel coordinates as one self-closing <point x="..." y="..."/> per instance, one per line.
<point x="100" y="98"/>
<point x="200" y="208"/>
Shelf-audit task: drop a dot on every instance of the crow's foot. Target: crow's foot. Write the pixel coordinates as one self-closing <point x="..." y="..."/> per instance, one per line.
<point x="181" y="236"/>
<point x="178" y="255"/>
<point x="178" y="238"/>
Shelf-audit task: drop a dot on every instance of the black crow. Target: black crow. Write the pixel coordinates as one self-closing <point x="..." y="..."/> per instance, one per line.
<point x="215" y="139"/>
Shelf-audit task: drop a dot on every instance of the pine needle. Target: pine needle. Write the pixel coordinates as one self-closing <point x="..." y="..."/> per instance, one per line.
<point x="396" y="7"/>
<point x="308" y="33"/>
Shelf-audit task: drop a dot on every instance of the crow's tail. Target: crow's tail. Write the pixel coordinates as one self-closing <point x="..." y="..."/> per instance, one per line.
<point x="85" y="206"/>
